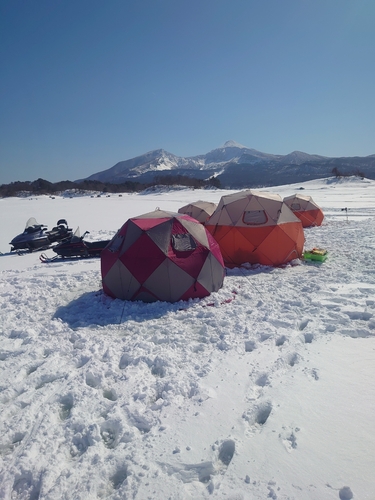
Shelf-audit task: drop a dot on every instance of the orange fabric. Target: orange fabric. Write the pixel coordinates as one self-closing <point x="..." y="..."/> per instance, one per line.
<point x="310" y="217"/>
<point x="270" y="245"/>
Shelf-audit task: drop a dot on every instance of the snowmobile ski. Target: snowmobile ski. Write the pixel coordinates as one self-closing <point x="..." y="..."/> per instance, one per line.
<point x="45" y="259"/>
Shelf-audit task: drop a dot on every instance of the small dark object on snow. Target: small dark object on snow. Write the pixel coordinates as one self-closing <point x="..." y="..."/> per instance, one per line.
<point x="345" y="493"/>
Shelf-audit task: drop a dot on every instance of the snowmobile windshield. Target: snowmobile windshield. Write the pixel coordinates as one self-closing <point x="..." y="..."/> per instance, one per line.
<point x="33" y="225"/>
<point x="77" y="235"/>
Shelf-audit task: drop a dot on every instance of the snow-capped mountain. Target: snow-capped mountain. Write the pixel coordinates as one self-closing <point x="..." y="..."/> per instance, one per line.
<point x="236" y="166"/>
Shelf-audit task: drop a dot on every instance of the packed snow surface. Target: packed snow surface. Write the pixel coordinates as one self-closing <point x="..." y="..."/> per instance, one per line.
<point x="265" y="389"/>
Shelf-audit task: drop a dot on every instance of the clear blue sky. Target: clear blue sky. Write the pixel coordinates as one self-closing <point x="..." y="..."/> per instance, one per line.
<point x="85" y="84"/>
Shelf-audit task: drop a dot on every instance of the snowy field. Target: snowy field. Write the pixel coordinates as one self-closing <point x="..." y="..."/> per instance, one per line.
<point x="265" y="389"/>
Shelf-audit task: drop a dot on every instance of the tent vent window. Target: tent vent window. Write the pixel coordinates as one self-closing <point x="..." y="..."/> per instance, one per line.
<point x="296" y="206"/>
<point x="254" y="217"/>
<point x="183" y="242"/>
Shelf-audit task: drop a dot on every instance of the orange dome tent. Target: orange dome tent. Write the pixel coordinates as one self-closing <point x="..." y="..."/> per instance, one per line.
<point x="199" y="210"/>
<point x="305" y="209"/>
<point x="256" y="227"/>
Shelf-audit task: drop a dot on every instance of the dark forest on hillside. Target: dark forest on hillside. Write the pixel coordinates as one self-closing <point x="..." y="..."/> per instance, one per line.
<point x="41" y="186"/>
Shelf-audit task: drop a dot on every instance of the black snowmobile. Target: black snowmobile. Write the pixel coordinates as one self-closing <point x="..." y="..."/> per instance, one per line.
<point x="36" y="236"/>
<point x="76" y="246"/>
<point x="60" y="232"/>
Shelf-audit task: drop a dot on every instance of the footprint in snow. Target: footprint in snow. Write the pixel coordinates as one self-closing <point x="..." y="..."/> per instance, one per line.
<point x="226" y="452"/>
<point x="10" y="446"/>
<point x="125" y="361"/>
<point x="292" y="359"/>
<point x="271" y="493"/>
<point x="250" y="345"/>
<point x="33" y="368"/>
<point x="110" y="394"/>
<point x="66" y="405"/>
<point x="262" y="380"/>
<point x="311" y="373"/>
<point x="257" y="416"/>
<point x="119" y="477"/>
<point x="205" y="472"/>
<point x="265" y="336"/>
<point x="92" y="380"/>
<point x="187" y="473"/>
<point x="289" y="438"/>
<point x="79" y="445"/>
<point x="262" y="414"/>
<point x="280" y="340"/>
<point x="309" y="337"/>
<point x="25" y="486"/>
<point x="110" y="433"/>
<point x="303" y="324"/>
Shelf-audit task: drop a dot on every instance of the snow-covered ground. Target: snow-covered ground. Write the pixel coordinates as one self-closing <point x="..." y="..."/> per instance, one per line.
<point x="265" y="389"/>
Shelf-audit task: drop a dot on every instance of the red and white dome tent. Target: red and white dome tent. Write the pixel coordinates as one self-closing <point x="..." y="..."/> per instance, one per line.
<point x="162" y="256"/>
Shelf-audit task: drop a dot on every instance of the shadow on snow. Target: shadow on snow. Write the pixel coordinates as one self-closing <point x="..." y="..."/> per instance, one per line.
<point x="97" y="309"/>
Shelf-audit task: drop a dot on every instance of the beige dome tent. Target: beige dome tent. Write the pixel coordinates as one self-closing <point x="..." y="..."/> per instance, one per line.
<point x="199" y="210"/>
<point x="256" y="227"/>
<point x="305" y="209"/>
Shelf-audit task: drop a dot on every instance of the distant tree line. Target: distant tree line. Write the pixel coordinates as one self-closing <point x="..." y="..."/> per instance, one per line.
<point x="182" y="180"/>
<point x="41" y="186"/>
<point x="338" y="173"/>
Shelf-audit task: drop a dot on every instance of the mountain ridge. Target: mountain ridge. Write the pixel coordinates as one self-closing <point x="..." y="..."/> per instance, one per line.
<point x="236" y="166"/>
